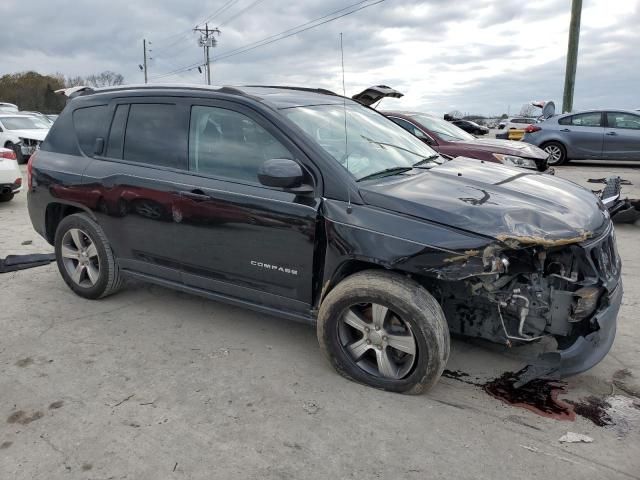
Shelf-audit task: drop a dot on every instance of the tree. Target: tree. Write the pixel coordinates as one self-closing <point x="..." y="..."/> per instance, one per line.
<point x="504" y="116"/>
<point x="527" y="110"/>
<point x="32" y="91"/>
<point x="103" y="79"/>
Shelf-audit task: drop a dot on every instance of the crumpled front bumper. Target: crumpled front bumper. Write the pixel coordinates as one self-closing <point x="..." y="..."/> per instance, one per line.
<point x="586" y="352"/>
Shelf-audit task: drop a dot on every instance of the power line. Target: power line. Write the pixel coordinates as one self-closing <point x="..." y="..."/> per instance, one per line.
<point x="244" y="50"/>
<point x="282" y="35"/>
<point x="298" y="26"/>
<point x="240" y="12"/>
<point x="222" y="9"/>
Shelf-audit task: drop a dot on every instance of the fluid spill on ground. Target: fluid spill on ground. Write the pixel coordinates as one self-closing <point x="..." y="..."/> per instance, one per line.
<point x="538" y="396"/>
<point x="594" y="409"/>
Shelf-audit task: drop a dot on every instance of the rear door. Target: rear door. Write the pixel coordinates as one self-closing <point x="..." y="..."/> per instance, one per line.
<point x="239" y="237"/>
<point x="583" y="134"/>
<point x="622" y="136"/>
<point x="134" y="182"/>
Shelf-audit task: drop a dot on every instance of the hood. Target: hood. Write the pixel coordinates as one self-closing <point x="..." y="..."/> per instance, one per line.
<point x="506" y="203"/>
<point x="506" y="147"/>
<point x="33" y="134"/>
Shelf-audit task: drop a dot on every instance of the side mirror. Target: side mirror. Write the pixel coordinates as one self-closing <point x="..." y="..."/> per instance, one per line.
<point x="283" y="173"/>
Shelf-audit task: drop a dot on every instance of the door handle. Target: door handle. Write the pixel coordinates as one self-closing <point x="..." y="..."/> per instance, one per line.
<point x="196" y="194"/>
<point x="565" y="130"/>
<point x="611" y="133"/>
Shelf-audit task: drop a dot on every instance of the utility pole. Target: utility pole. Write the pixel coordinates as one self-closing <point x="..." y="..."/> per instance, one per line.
<point x="572" y="56"/>
<point x="144" y="49"/>
<point x="207" y="41"/>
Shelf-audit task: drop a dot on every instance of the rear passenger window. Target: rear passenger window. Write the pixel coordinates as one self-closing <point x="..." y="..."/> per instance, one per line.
<point x="155" y="135"/>
<point x="592" y="119"/>
<point x="88" y="124"/>
<point x="229" y="144"/>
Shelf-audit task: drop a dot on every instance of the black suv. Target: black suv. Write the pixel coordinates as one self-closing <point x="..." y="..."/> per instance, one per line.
<point x="311" y="206"/>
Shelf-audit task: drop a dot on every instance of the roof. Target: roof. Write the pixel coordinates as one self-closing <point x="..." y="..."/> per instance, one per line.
<point x="278" y="96"/>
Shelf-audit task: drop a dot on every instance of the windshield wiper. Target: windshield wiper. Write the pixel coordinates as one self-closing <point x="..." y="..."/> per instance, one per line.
<point x="426" y="160"/>
<point x="385" y="173"/>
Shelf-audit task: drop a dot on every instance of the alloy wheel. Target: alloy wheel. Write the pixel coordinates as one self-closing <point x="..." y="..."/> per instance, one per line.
<point x="80" y="257"/>
<point x="377" y="340"/>
<point x="555" y="153"/>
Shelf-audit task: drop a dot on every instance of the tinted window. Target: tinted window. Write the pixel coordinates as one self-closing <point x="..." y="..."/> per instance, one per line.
<point x="623" y="120"/>
<point x="409" y="127"/>
<point x="155" y="135"/>
<point x="592" y="119"/>
<point x="116" y="134"/>
<point x="88" y="123"/>
<point x="229" y="144"/>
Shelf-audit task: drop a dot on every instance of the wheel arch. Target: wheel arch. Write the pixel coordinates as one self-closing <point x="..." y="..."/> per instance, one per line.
<point x="56" y="211"/>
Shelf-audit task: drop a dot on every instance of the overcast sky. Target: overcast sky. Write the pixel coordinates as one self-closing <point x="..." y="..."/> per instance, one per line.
<point x="480" y="56"/>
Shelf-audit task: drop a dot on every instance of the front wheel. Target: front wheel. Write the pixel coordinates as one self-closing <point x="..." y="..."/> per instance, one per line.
<point x="84" y="257"/>
<point x="557" y="153"/>
<point x="384" y="330"/>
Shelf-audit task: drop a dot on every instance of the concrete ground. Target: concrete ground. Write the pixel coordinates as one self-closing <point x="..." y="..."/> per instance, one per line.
<point x="155" y="384"/>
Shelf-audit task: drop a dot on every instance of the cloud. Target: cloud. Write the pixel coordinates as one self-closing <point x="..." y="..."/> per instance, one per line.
<point x="479" y="57"/>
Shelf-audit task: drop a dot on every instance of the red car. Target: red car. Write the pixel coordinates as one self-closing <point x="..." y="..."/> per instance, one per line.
<point x="446" y="138"/>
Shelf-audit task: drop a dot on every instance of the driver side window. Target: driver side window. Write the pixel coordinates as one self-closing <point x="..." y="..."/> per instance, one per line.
<point x="229" y="144"/>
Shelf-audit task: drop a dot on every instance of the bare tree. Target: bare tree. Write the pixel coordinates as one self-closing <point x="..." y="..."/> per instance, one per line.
<point x="455" y="114"/>
<point x="103" y="79"/>
<point x="527" y="110"/>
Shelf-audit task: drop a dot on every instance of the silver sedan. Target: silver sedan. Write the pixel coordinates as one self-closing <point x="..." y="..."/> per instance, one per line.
<point x="594" y="134"/>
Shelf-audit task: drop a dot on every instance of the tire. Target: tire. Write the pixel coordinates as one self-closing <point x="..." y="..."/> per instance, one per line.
<point x="18" y="151"/>
<point x="6" y="197"/>
<point x="80" y="228"/>
<point x="410" y="307"/>
<point x="557" y="153"/>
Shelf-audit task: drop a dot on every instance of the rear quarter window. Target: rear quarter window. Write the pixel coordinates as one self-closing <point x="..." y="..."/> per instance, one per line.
<point x="88" y="123"/>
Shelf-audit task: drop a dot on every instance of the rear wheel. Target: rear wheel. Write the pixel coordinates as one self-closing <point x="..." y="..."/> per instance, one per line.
<point x="384" y="330"/>
<point x="84" y="257"/>
<point x="557" y="153"/>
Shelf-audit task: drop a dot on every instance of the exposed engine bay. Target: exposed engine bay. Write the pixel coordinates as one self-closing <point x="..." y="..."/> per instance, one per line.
<point x="531" y="292"/>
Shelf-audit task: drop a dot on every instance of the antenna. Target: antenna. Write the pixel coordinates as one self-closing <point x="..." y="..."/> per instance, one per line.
<point x="346" y="138"/>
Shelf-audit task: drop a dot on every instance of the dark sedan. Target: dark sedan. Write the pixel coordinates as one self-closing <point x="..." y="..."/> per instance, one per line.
<point x="450" y="140"/>
<point x="470" y="127"/>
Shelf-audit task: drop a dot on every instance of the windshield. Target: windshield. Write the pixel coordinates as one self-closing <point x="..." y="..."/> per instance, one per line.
<point x="24" y="123"/>
<point x="374" y="143"/>
<point x="445" y="130"/>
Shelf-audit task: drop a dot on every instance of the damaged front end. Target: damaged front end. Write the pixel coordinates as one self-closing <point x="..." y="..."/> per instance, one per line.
<point x="522" y="289"/>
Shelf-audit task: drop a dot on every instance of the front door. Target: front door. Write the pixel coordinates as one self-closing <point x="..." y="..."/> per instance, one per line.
<point x="622" y="136"/>
<point x="238" y="237"/>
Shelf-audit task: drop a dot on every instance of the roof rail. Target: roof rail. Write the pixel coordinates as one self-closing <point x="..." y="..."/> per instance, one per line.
<point x="322" y="91"/>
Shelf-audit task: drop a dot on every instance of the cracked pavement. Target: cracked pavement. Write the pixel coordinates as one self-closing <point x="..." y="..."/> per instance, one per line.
<point x="152" y="383"/>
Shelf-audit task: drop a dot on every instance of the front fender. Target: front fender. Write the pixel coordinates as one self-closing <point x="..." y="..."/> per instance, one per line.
<point x="397" y="242"/>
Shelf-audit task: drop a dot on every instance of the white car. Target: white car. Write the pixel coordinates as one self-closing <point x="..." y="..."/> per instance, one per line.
<point x="516" y="122"/>
<point x="22" y="134"/>
<point x="10" y="176"/>
<point x="8" y="107"/>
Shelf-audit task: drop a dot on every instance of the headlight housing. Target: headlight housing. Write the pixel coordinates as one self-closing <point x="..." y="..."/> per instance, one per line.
<point x="516" y="161"/>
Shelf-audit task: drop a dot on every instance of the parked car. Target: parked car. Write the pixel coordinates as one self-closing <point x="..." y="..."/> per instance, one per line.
<point x="8" y="107"/>
<point x="593" y="134"/>
<point x="517" y="123"/>
<point x="22" y="134"/>
<point x="10" y="176"/>
<point x="448" y="139"/>
<point x="333" y="215"/>
<point x="471" y="127"/>
<point x="41" y="116"/>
